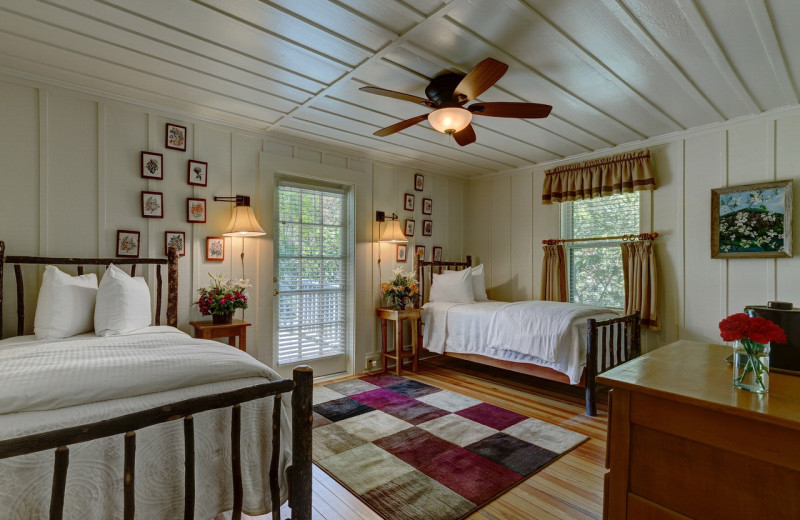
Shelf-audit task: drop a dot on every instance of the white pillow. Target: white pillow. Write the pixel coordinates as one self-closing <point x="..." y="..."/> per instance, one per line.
<point x="123" y="303"/>
<point x="66" y="304"/>
<point x="479" y="284"/>
<point x="452" y="286"/>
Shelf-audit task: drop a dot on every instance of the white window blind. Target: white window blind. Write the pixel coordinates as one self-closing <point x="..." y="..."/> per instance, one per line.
<point x="595" y="268"/>
<point x="312" y="272"/>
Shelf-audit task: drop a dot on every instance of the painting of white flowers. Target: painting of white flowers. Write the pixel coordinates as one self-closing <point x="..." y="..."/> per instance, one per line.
<point x="752" y="221"/>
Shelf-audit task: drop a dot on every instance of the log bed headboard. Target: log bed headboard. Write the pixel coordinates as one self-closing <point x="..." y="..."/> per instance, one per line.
<point x="425" y="271"/>
<point x="172" y="279"/>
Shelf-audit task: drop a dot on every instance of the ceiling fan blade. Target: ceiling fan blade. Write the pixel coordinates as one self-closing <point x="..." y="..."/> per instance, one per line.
<point x="402" y="125"/>
<point x="465" y="136"/>
<point x="398" y="95"/>
<point x="481" y="77"/>
<point x="510" y="109"/>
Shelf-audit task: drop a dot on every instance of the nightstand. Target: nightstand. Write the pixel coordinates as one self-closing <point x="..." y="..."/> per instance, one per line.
<point x="387" y="314"/>
<point x="236" y="329"/>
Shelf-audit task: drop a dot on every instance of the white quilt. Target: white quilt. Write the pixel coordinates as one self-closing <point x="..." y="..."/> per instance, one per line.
<point x="49" y="385"/>
<point x="550" y="334"/>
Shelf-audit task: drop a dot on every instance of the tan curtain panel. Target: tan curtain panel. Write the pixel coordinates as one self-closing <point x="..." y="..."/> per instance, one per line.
<point x="554" y="274"/>
<point x="641" y="282"/>
<point x="623" y="173"/>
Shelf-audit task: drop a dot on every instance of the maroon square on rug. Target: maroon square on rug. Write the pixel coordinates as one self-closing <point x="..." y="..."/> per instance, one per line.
<point x="412" y="451"/>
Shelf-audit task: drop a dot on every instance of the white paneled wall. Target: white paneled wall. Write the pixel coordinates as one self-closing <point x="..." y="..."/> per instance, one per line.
<point x="508" y="222"/>
<point x="69" y="179"/>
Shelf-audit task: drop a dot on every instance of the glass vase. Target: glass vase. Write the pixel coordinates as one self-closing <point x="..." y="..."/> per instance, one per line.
<point x="751" y="366"/>
<point x="221" y="319"/>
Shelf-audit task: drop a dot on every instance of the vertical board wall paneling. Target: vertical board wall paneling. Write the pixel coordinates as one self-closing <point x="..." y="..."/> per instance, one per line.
<point x="787" y="166"/>
<point x="501" y="239"/>
<point x="480" y="230"/>
<point x="520" y="226"/>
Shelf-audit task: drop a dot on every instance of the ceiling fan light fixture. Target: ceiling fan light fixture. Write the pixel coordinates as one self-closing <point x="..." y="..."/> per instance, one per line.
<point x="450" y="120"/>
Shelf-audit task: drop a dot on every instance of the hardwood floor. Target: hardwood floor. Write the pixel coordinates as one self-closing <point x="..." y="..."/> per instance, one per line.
<point x="569" y="488"/>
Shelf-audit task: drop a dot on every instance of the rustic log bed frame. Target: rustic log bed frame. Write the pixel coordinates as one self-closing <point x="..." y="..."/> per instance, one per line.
<point x="300" y="386"/>
<point x="602" y="352"/>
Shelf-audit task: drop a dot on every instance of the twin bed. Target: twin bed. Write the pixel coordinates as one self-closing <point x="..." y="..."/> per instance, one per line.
<point x="569" y="343"/>
<point x="151" y="423"/>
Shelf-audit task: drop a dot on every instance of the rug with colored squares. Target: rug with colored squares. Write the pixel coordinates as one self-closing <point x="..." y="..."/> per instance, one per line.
<point x="412" y="451"/>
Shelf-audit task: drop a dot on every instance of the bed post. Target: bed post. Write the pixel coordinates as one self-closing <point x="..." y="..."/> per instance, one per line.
<point x="172" y="287"/>
<point x="2" y="268"/>
<point x="300" y="491"/>
<point x="591" y="367"/>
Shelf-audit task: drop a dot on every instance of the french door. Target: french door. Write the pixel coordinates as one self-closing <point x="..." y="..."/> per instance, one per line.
<point x="312" y="264"/>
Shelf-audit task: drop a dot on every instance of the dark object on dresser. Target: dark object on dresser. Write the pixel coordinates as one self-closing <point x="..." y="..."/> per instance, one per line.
<point x="783" y="357"/>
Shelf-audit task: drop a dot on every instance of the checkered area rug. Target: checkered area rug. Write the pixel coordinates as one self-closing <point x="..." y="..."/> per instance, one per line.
<point x="412" y="451"/>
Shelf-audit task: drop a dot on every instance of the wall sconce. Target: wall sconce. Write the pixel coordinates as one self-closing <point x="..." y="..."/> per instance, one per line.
<point x="391" y="232"/>
<point x="243" y="221"/>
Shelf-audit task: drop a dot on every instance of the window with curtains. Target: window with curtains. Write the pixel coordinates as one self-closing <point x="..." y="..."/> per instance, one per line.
<point x="312" y="271"/>
<point x="594" y="269"/>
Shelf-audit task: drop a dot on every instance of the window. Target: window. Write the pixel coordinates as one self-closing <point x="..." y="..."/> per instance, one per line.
<point x="594" y="269"/>
<point x="312" y="263"/>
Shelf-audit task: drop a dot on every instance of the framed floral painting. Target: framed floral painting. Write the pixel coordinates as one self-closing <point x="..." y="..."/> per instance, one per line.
<point x="176" y="137"/>
<point x="408" y="227"/>
<point x="152" y="165"/>
<point x="177" y="239"/>
<point x="437" y="254"/>
<point x="215" y="249"/>
<point x="152" y="204"/>
<point x="196" y="210"/>
<point x="752" y="221"/>
<point x="419" y="252"/>
<point x="427" y="228"/>
<point x="419" y="182"/>
<point x="427" y="207"/>
<point x="408" y="202"/>
<point x="198" y="173"/>
<point x="402" y="249"/>
<point x="128" y="243"/>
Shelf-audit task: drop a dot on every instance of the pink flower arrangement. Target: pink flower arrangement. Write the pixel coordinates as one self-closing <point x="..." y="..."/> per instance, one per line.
<point x="223" y="296"/>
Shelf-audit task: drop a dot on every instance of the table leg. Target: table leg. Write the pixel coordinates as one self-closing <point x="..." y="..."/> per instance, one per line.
<point x="383" y="344"/>
<point x="232" y="340"/>
<point x="243" y="339"/>
<point x="398" y="345"/>
<point x="414" y="345"/>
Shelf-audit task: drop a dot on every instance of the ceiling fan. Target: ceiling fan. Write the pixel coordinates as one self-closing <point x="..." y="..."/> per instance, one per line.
<point x="447" y="94"/>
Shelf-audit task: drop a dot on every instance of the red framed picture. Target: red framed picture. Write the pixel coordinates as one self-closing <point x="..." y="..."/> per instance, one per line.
<point x="215" y="249"/>
<point x="419" y="182"/>
<point x="176" y="137"/>
<point x="152" y="166"/>
<point x="408" y="227"/>
<point x="427" y="228"/>
<point x="128" y="243"/>
<point x="437" y="254"/>
<point x="177" y="239"/>
<point x="408" y="202"/>
<point x="198" y="173"/>
<point x="401" y="252"/>
<point x="427" y="207"/>
<point x="196" y="210"/>
<point x="419" y="252"/>
<point x="152" y="204"/>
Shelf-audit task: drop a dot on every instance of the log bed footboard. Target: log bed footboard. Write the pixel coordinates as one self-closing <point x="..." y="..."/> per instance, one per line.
<point x="300" y="472"/>
<point x="609" y="343"/>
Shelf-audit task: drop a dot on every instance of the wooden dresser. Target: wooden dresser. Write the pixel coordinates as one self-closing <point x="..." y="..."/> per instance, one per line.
<point x="683" y="443"/>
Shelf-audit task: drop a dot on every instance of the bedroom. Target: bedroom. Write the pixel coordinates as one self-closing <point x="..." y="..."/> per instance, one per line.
<point x="76" y="123"/>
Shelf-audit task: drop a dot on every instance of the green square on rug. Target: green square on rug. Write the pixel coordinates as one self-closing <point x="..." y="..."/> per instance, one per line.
<point x="412" y="451"/>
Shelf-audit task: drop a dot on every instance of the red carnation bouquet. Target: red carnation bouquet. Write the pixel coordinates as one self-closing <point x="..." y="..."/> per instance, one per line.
<point x="751" y="335"/>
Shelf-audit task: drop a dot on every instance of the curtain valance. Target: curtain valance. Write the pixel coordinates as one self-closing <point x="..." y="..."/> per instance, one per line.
<point x="623" y="173"/>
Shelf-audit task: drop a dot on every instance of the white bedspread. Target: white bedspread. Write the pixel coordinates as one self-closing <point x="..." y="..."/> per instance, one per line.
<point x="550" y="334"/>
<point x="49" y="385"/>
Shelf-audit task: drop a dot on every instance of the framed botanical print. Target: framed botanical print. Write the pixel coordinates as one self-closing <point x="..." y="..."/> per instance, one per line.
<point x="215" y="249"/>
<point x="401" y="252"/>
<point x="198" y="173"/>
<point x="427" y="207"/>
<point x="419" y="182"/>
<point x="752" y="221"/>
<point x="437" y="254"/>
<point x="196" y="210"/>
<point x="427" y="228"/>
<point x="176" y="137"/>
<point x="152" y="204"/>
<point x="419" y="252"/>
<point x="152" y="166"/>
<point x="177" y="239"/>
<point x="408" y="227"/>
<point x="128" y="243"/>
<point x="408" y="202"/>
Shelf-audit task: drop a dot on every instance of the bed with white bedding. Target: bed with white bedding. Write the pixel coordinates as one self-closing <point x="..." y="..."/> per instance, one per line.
<point x="169" y="391"/>
<point x="564" y="342"/>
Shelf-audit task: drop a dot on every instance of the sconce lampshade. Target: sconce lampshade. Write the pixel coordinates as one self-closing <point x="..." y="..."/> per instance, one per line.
<point x="450" y="120"/>
<point x="392" y="233"/>
<point x="243" y="223"/>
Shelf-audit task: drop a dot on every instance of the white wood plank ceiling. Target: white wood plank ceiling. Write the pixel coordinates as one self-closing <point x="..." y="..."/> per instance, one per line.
<point x="615" y="71"/>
